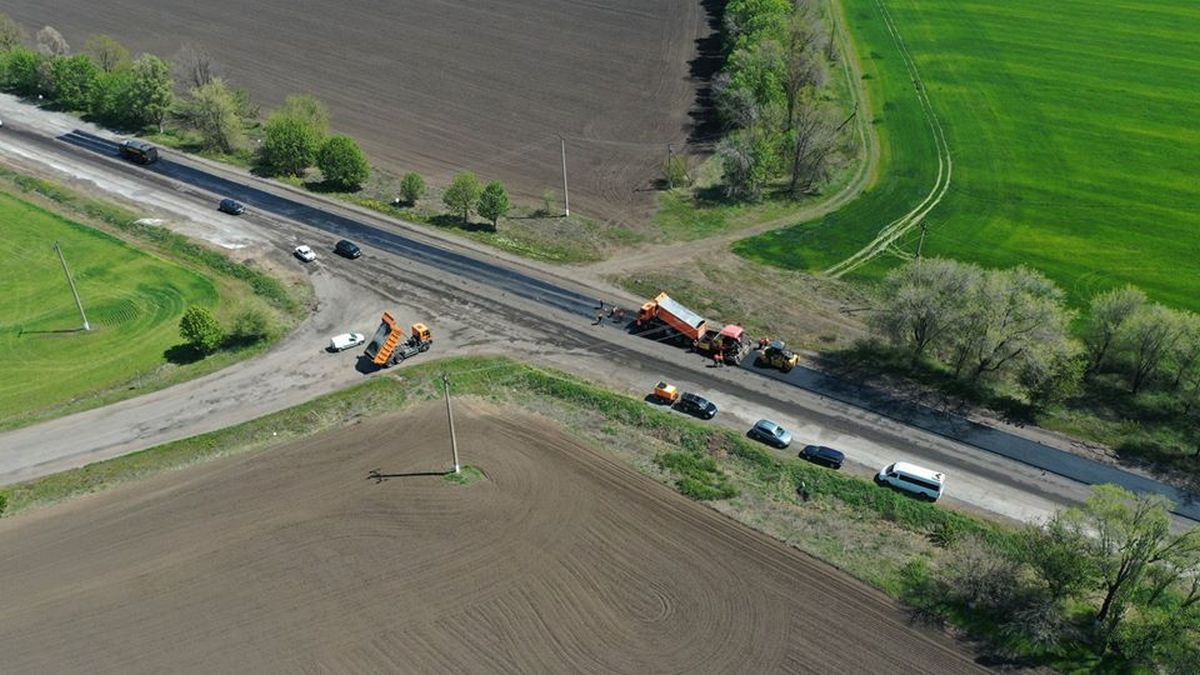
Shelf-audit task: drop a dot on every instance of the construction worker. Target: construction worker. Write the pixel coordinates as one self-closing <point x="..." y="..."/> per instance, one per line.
<point x="719" y="358"/>
<point x="763" y="342"/>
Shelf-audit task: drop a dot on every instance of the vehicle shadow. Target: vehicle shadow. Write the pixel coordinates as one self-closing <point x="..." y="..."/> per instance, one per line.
<point x="365" y="365"/>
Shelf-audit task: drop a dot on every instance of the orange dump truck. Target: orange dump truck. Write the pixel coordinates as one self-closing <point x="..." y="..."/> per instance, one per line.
<point x="390" y="345"/>
<point x="688" y="328"/>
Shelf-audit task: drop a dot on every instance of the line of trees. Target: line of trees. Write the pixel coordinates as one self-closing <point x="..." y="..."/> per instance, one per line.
<point x="1108" y="577"/>
<point x="105" y="83"/>
<point x="1013" y="327"/>
<point x="466" y="195"/>
<point x="770" y="96"/>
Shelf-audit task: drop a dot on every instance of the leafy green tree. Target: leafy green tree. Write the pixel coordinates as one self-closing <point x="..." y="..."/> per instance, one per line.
<point x="463" y="195"/>
<point x="74" y="80"/>
<point x="343" y="163"/>
<point x="309" y="110"/>
<point x="111" y="98"/>
<point x="108" y="54"/>
<point x="212" y="110"/>
<point x="289" y="145"/>
<point x="22" y="74"/>
<point x="151" y="92"/>
<point x="493" y="202"/>
<point x="1108" y="312"/>
<point x="199" y="329"/>
<point x="1145" y="340"/>
<point x="12" y="34"/>
<point x="748" y="160"/>
<point x="412" y="188"/>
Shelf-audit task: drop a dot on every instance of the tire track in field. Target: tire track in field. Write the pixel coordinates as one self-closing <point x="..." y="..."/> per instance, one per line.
<point x="901" y="226"/>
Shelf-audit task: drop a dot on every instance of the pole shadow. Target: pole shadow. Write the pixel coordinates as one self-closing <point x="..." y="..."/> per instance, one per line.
<point x="378" y="476"/>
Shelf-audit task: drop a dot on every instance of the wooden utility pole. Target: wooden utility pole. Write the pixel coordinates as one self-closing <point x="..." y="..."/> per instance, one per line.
<point x="74" y="291"/>
<point x="670" y="170"/>
<point x="450" y="416"/>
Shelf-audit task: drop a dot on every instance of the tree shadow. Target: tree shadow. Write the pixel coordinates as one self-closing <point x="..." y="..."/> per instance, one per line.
<point x="183" y="354"/>
<point x="456" y="223"/>
<point x="705" y="124"/>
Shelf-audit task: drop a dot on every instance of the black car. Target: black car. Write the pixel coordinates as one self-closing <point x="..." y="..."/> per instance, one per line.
<point x="696" y="405"/>
<point x="231" y="207"/>
<point x="347" y="248"/>
<point x="819" y="454"/>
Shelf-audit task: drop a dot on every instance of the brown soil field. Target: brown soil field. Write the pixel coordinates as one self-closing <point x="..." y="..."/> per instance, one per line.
<point x="560" y="561"/>
<point x="441" y="86"/>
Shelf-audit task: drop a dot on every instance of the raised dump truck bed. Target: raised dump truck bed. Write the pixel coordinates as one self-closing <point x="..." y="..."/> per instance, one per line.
<point x="390" y="346"/>
<point x="662" y="309"/>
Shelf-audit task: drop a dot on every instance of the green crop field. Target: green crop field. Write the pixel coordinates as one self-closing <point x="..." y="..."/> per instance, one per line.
<point x="1072" y="130"/>
<point x="133" y="302"/>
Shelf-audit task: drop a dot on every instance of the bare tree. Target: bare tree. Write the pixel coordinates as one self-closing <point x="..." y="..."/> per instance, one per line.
<point x="212" y="110"/>
<point x="803" y="64"/>
<point x="194" y="67"/>
<point x="812" y="140"/>
<point x="1184" y="355"/>
<point x="50" y="42"/>
<point x="1109" y="311"/>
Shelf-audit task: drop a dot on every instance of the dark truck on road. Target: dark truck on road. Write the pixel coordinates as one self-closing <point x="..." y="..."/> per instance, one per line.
<point x="139" y="152"/>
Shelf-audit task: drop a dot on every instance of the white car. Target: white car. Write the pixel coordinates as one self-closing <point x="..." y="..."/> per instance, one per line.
<point x="305" y="253"/>
<point x="341" y="343"/>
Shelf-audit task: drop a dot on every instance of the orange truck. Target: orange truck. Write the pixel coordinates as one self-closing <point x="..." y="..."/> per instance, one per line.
<point x="391" y="346"/>
<point x="682" y="325"/>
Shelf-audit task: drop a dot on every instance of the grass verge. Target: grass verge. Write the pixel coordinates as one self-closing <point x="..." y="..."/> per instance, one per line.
<point x="466" y="475"/>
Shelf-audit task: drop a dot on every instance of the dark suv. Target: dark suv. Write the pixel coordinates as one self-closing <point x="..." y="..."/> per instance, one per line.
<point x="696" y="405"/>
<point x="819" y="454"/>
<point x="233" y="208"/>
<point x="347" y="248"/>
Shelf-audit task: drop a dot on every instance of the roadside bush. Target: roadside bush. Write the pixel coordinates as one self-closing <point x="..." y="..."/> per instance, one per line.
<point x="74" y="81"/>
<point x="3" y="503"/>
<point x="212" y="110"/>
<point x="289" y="145"/>
<point x="412" y="188"/>
<point x="699" y="476"/>
<point x="250" y="327"/>
<point x="200" y="330"/>
<point x="493" y="202"/>
<point x="343" y="163"/>
<point x="21" y="72"/>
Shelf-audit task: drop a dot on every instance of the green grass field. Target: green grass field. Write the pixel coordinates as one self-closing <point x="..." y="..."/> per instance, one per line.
<point x="133" y="302"/>
<point x="1072" y="131"/>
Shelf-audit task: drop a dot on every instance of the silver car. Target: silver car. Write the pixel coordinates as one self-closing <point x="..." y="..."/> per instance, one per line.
<point x="770" y="433"/>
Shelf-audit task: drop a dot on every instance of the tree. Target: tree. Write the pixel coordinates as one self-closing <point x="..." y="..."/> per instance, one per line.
<point x="921" y="302"/>
<point x="463" y="195"/>
<point x="22" y="71"/>
<point x="211" y="110"/>
<point x="1145" y="340"/>
<point x="109" y="55"/>
<point x="200" y="330"/>
<point x="151" y="92"/>
<point x="1184" y="354"/>
<point x="1108" y="312"/>
<point x="803" y="62"/>
<point x="811" y="140"/>
<point x="1124" y="535"/>
<point x="343" y="163"/>
<point x="74" y="80"/>
<point x="1012" y="316"/>
<point x="412" y="188"/>
<point x="251" y="326"/>
<point x="51" y="42"/>
<point x="309" y="110"/>
<point x="289" y="145"/>
<point x="12" y="34"/>
<point x="748" y="160"/>
<point x="194" y="67"/>
<point x="111" y="98"/>
<point x="493" y="202"/>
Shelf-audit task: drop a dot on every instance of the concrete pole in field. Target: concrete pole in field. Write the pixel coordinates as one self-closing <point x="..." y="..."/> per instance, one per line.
<point x="566" y="196"/>
<point x="78" y="303"/>
<point x="450" y="415"/>
<point x="921" y="244"/>
<point x="670" y="172"/>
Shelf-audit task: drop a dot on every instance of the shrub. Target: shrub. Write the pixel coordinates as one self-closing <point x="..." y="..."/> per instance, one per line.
<point x="412" y="188"/>
<point x="251" y="326"/>
<point x="199" y="328"/>
<point x="343" y="163"/>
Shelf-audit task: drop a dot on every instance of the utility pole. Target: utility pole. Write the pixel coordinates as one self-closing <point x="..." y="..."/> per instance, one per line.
<point x="670" y="170"/>
<point x="921" y="243"/>
<point x="450" y="415"/>
<point x="78" y="303"/>
<point x="566" y="197"/>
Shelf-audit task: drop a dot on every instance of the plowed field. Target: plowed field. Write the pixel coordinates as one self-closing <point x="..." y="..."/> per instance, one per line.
<point x="560" y="561"/>
<point x="440" y="86"/>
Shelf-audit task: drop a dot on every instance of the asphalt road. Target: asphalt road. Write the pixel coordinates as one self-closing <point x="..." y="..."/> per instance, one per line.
<point x="540" y="291"/>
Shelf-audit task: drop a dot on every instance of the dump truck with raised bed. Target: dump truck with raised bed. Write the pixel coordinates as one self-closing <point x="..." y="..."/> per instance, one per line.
<point x="391" y="346"/>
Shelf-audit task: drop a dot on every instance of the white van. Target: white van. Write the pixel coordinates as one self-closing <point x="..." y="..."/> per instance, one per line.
<point x="914" y="479"/>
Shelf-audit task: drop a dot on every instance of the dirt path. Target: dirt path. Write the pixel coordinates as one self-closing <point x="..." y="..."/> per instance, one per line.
<point x="561" y="561"/>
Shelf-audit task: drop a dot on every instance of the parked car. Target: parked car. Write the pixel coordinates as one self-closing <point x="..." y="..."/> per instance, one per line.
<point x="305" y="253"/>
<point x="770" y="433"/>
<point x="233" y="208"/>
<point x="340" y="343"/>
<point x="819" y="454"/>
<point x="913" y="479"/>
<point x="347" y="248"/>
<point x="694" y="404"/>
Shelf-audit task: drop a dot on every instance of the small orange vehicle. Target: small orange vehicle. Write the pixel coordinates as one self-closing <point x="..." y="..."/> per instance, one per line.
<point x="667" y="393"/>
